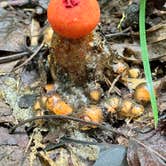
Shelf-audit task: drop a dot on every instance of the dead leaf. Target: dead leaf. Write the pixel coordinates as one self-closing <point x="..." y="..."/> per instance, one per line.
<point x="132" y="83"/>
<point x="147" y="149"/>
<point x="162" y="99"/>
<point x="43" y="3"/>
<point x="6" y="68"/>
<point x="132" y="52"/>
<point x="19" y="139"/>
<point x="13" y="30"/>
<point x="158" y="34"/>
<point x="11" y="155"/>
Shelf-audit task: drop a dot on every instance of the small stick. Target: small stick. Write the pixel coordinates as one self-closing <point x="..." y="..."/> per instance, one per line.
<point x="125" y="32"/>
<point x="62" y="117"/>
<point x="13" y="57"/>
<point x="26" y="150"/>
<point x="72" y="140"/>
<point x="108" y="82"/>
<point x="16" y="3"/>
<point x="31" y="57"/>
<point x="113" y="83"/>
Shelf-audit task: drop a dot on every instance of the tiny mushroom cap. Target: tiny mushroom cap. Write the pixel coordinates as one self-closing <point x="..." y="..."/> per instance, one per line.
<point x="73" y="18"/>
<point x="142" y="94"/>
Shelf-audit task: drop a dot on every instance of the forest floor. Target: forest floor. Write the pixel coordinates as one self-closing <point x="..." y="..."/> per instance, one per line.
<point x="111" y="121"/>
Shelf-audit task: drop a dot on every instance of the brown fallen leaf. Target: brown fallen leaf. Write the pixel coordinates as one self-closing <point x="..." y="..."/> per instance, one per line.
<point x="20" y="140"/>
<point x="11" y="155"/>
<point x="132" y="52"/>
<point x="13" y="30"/>
<point x="147" y="149"/>
<point x="157" y="34"/>
<point x="6" y="68"/>
<point x="162" y="105"/>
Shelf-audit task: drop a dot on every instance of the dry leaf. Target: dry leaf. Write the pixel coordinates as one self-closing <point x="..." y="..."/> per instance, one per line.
<point x="147" y="149"/>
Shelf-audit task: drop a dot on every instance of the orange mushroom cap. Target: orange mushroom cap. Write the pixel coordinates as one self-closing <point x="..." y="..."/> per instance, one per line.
<point x="73" y="18"/>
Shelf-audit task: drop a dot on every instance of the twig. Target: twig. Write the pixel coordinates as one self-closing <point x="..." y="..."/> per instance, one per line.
<point x="125" y="32"/>
<point x="65" y="140"/>
<point x="113" y="83"/>
<point x="150" y="30"/>
<point x="13" y="57"/>
<point x="108" y="82"/>
<point x="16" y="3"/>
<point x="31" y="57"/>
<point x="26" y="150"/>
<point x="128" y="31"/>
<point x="72" y="140"/>
<point x="85" y="122"/>
<point x="62" y="117"/>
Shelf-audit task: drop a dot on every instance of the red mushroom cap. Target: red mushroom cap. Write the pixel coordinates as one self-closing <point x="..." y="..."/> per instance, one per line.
<point x="73" y="18"/>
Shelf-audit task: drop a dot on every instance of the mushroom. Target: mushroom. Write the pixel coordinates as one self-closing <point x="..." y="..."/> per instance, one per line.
<point x="91" y="113"/>
<point x="142" y="94"/>
<point x="75" y="49"/>
<point x="73" y="18"/>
